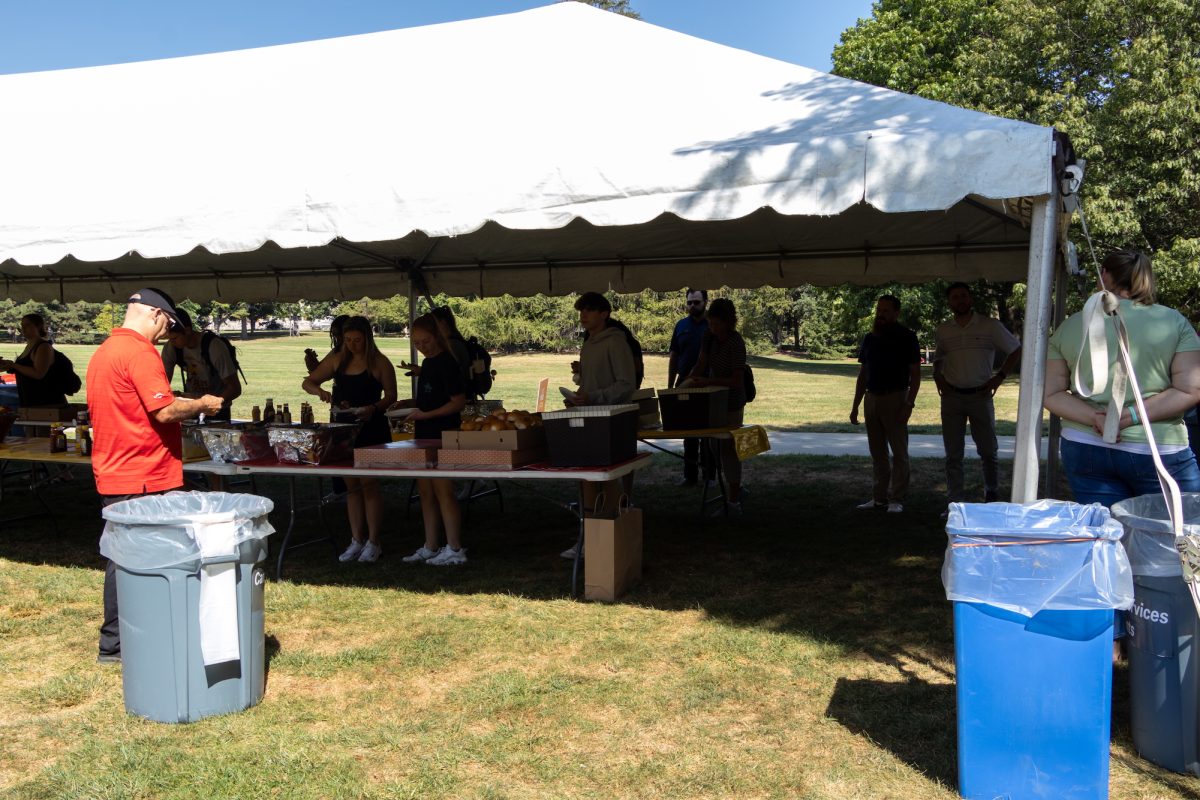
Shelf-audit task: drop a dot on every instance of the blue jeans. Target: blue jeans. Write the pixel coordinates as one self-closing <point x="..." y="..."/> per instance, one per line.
<point x="1106" y="476"/>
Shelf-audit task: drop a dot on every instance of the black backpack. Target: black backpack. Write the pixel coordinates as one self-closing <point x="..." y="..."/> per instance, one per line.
<point x="748" y="387"/>
<point x="206" y="342"/>
<point x="481" y="368"/>
<point x="64" y="373"/>
<point x="635" y="347"/>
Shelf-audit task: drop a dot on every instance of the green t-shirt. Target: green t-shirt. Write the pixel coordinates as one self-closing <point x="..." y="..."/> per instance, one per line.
<point x="1156" y="334"/>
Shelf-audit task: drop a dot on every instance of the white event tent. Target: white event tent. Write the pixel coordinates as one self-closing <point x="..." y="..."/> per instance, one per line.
<point x="554" y="150"/>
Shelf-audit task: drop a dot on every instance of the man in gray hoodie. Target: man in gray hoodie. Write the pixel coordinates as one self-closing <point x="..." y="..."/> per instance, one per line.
<point x="607" y="374"/>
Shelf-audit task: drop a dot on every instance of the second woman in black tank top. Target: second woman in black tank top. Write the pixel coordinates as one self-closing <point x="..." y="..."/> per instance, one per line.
<point x="364" y="381"/>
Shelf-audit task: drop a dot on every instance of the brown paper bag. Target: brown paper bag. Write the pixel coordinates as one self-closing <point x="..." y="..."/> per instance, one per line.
<point x="612" y="554"/>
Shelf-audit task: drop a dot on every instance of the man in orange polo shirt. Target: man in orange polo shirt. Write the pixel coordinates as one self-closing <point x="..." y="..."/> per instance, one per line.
<point x="137" y="445"/>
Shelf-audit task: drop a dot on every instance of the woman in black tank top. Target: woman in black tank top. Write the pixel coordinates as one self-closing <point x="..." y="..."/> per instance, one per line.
<point x="364" y="384"/>
<point x="35" y="385"/>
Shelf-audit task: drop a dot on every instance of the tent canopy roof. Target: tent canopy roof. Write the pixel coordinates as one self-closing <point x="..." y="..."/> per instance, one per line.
<point x="551" y="150"/>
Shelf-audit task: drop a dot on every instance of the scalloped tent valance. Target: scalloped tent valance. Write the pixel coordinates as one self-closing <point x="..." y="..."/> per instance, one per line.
<point x="552" y="150"/>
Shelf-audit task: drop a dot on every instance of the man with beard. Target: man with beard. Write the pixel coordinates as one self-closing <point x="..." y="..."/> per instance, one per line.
<point x="962" y="371"/>
<point x="684" y="353"/>
<point x="890" y="377"/>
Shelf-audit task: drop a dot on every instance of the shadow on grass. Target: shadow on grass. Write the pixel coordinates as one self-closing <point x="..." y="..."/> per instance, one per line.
<point x="913" y="719"/>
<point x="800" y="560"/>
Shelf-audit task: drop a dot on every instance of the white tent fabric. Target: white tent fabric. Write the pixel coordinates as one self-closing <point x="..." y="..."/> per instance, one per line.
<point x="551" y="150"/>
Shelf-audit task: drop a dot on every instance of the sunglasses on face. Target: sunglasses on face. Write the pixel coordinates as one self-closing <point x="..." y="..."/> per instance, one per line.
<point x="695" y="302"/>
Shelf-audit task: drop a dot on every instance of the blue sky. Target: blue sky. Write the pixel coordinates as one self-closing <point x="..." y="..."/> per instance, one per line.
<point x="57" y="34"/>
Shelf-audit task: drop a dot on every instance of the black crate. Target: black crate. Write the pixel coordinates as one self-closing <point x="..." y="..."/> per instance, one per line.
<point x="689" y="409"/>
<point x="590" y="437"/>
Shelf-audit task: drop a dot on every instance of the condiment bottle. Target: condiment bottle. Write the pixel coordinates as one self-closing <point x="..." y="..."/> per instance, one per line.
<point x="287" y="415"/>
<point x="83" y="440"/>
<point x="269" y="411"/>
<point x="256" y="414"/>
<point x="58" y="439"/>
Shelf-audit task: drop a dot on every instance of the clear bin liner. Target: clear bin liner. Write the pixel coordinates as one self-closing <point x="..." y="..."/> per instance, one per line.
<point x="160" y="530"/>
<point x="1149" y="539"/>
<point x="1024" y="558"/>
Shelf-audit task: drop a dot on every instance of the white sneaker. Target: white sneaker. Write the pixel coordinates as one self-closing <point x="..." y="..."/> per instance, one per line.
<point x="447" y="557"/>
<point x="569" y="553"/>
<point x="422" y="553"/>
<point x="895" y="508"/>
<point x="370" y="552"/>
<point x="352" y="552"/>
<point x="871" y="505"/>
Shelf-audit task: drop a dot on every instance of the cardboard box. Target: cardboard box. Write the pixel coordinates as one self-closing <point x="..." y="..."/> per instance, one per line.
<point x="694" y="408"/>
<point x="612" y="550"/>
<point x="528" y="439"/>
<point x="591" y="436"/>
<point x="64" y="413"/>
<point x="193" y="444"/>
<point x="490" y="459"/>
<point x="412" y="454"/>
<point x="647" y="405"/>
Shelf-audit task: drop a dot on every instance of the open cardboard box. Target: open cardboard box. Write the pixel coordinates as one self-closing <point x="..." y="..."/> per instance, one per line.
<point x="411" y="453"/>
<point x="63" y="413"/>
<point x="528" y="439"/>
<point x="490" y="459"/>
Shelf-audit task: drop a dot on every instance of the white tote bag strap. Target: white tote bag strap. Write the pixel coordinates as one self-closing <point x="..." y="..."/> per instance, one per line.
<point x="1099" y="308"/>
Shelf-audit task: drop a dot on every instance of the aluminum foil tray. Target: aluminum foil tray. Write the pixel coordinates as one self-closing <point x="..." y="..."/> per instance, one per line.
<point x="319" y="443"/>
<point x="228" y="443"/>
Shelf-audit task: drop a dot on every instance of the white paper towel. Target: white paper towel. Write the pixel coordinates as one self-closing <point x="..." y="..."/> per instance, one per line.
<point x="218" y="594"/>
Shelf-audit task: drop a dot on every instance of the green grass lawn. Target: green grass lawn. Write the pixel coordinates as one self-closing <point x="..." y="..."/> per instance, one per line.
<point x="793" y="394"/>
<point x="803" y="650"/>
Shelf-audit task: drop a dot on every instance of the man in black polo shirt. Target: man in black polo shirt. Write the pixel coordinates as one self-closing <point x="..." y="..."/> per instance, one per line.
<point x="890" y="376"/>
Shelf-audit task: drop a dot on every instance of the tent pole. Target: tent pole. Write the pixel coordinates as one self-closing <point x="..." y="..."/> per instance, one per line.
<point x="412" y="349"/>
<point x="1043" y="240"/>
<point x="1060" y="312"/>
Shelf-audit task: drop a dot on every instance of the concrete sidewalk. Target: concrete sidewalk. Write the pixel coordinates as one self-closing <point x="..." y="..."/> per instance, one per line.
<point x="855" y="444"/>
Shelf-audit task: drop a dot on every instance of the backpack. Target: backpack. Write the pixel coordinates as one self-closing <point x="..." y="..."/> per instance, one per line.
<point x="635" y="347"/>
<point x="206" y="342"/>
<point x="64" y="373"/>
<point x="481" y="368"/>
<point x="748" y="387"/>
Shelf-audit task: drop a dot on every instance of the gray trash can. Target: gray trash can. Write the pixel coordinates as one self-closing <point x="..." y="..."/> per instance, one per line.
<point x="189" y="585"/>
<point x="1163" y="632"/>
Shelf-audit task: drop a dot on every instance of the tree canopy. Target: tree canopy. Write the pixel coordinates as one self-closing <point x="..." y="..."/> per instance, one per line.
<point x="1120" y="77"/>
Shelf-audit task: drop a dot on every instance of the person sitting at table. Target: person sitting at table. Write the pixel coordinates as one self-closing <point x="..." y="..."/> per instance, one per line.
<point x="311" y="360"/>
<point x="722" y="362"/>
<point x="607" y="375"/>
<point x="35" y="385"/>
<point x="364" y="387"/>
<point x="441" y="395"/>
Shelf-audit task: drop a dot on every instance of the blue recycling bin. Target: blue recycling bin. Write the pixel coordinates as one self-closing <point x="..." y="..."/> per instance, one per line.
<point x="1164" y="632"/>
<point x="176" y="596"/>
<point x="1033" y="588"/>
